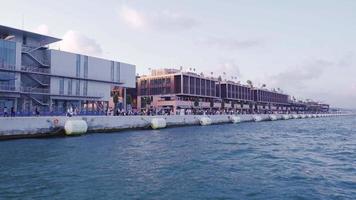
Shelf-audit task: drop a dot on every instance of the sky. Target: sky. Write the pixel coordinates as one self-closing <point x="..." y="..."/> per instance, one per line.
<point x="306" y="47"/>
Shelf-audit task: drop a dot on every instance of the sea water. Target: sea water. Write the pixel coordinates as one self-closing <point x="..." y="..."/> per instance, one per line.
<point x="294" y="159"/>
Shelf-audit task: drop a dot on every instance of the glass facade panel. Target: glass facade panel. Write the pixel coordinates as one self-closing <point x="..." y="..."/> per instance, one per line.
<point x="112" y="71"/>
<point x="77" y="89"/>
<point x="78" y="66"/>
<point x="61" y="86"/>
<point x="118" y="72"/>
<point x="86" y="65"/>
<point x="70" y="87"/>
<point x="85" y="88"/>
<point x="7" y="60"/>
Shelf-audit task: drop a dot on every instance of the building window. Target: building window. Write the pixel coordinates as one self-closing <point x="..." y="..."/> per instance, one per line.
<point x="24" y="40"/>
<point x="78" y="66"/>
<point x="70" y="87"/>
<point x="61" y="86"/>
<point x="85" y="88"/>
<point x="112" y="71"/>
<point x="77" y="89"/>
<point x="118" y="72"/>
<point x="185" y="84"/>
<point x="7" y="60"/>
<point x="85" y="66"/>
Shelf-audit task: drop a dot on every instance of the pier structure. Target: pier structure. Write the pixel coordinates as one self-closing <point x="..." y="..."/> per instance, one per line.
<point x="28" y="127"/>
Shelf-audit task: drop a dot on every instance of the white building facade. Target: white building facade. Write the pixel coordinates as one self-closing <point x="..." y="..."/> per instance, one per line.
<point x="34" y="77"/>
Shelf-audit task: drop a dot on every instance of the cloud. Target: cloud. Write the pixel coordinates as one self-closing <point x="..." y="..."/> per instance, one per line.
<point x="229" y="43"/>
<point x="77" y="42"/>
<point x="160" y="20"/>
<point x="230" y="68"/>
<point x="132" y="17"/>
<point x="331" y="81"/>
<point x="226" y="68"/>
<point x="299" y="77"/>
<point x="42" y="29"/>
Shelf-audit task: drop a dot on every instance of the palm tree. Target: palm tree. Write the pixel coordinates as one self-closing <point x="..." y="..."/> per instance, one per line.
<point x="115" y="99"/>
<point x="128" y="99"/>
<point x="249" y="82"/>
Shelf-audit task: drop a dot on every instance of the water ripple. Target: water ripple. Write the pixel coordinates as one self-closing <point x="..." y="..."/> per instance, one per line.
<point x="294" y="159"/>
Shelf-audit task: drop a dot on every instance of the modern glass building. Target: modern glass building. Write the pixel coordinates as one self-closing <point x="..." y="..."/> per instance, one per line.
<point x="35" y="77"/>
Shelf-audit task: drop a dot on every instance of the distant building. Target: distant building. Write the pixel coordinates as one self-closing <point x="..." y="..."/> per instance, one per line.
<point x="172" y="89"/>
<point x="267" y="100"/>
<point x="236" y="96"/>
<point x="32" y="76"/>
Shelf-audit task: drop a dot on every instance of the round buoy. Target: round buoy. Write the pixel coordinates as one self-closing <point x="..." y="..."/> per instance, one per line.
<point x="235" y="119"/>
<point x="273" y="117"/>
<point x="204" y="121"/>
<point x="75" y="127"/>
<point x="285" y="117"/>
<point x="157" y="123"/>
<point x="257" y="118"/>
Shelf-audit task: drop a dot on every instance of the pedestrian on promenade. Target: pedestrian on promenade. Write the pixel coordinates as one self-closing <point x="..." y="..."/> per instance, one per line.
<point x="37" y="112"/>
<point x="70" y="111"/>
<point x="6" y="114"/>
<point x="12" y="112"/>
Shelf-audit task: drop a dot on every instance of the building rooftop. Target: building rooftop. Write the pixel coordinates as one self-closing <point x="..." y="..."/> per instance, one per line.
<point x="42" y="39"/>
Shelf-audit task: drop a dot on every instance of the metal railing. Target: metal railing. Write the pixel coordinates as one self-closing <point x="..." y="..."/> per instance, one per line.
<point x="34" y="90"/>
<point x="7" y="87"/>
<point x="35" y="69"/>
<point x="27" y="68"/>
<point x="7" y="66"/>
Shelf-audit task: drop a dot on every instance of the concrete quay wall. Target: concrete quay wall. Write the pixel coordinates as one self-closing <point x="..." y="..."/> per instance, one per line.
<point x="22" y="127"/>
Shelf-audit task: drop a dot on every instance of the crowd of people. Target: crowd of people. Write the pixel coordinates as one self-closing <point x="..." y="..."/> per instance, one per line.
<point x="74" y="111"/>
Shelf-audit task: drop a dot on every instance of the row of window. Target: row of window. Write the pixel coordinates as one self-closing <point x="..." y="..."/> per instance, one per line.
<point x="198" y="86"/>
<point x="70" y="87"/>
<point x="267" y="96"/>
<point x="205" y="87"/>
<point x="112" y="71"/>
<point x="236" y="92"/>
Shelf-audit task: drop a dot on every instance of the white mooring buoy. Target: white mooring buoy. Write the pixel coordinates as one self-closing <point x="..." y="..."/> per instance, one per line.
<point x="75" y="127"/>
<point x="157" y="123"/>
<point x="235" y="119"/>
<point x="205" y="121"/>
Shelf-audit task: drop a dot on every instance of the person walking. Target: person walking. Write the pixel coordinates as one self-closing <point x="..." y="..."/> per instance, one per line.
<point x="12" y="112"/>
<point x="37" y="112"/>
<point x="6" y="114"/>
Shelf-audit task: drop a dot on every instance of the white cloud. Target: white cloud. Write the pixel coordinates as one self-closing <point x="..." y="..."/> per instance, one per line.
<point x="132" y="17"/>
<point x="160" y="20"/>
<point x="299" y="76"/>
<point x="228" y="69"/>
<point x="77" y="42"/>
<point x="229" y="43"/>
<point x="327" y="80"/>
<point x="42" y="29"/>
